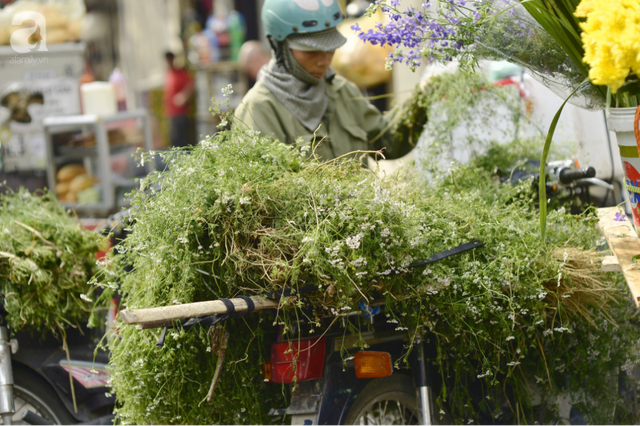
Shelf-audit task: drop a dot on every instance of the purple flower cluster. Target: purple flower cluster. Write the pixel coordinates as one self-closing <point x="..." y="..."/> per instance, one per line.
<point x="439" y="31"/>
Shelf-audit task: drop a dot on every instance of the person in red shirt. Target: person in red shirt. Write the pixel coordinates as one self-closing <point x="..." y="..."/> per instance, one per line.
<point x="178" y="88"/>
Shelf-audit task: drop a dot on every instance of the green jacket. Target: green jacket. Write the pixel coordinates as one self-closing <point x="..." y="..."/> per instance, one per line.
<point x="349" y="124"/>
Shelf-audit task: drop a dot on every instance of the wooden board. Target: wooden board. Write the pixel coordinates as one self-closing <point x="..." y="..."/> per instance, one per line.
<point x="624" y="245"/>
<point x="610" y="264"/>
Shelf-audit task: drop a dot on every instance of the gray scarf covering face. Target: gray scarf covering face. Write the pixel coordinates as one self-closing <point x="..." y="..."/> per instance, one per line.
<point x="300" y="92"/>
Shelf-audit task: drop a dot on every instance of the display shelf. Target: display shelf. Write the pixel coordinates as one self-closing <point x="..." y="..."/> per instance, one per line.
<point x="65" y="153"/>
<point x="95" y="160"/>
<point x="624" y="245"/>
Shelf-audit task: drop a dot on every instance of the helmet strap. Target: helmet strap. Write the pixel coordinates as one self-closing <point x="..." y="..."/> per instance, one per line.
<point x="278" y="49"/>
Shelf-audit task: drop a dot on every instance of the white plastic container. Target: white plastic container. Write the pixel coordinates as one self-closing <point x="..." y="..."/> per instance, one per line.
<point x="98" y="98"/>
<point x="621" y="121"/>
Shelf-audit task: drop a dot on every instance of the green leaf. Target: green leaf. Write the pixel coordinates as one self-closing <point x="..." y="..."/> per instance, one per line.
<point x="543" y="163"/>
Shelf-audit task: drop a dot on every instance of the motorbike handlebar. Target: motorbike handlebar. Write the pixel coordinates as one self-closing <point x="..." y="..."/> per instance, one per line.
<point x="568" y="175"/>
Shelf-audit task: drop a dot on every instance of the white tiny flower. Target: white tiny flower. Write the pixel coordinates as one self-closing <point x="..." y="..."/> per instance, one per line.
<point x="85" y="298"/>
<point x="354" y="241"/>
<point x="510" y="338"/>
<point x="359" y="262"/>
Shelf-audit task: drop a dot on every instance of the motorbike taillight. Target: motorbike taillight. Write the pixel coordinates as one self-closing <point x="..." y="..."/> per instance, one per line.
<point x="302" y="359"/>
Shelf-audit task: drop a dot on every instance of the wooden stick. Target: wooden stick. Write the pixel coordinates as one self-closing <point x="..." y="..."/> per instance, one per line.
<point x="165" y="315"/>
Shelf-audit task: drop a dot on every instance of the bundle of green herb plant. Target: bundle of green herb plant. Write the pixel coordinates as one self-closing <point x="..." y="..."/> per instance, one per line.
<point x="242" y="214"/>
<point x="46" y="260"/>
<point x="463" y="100"/>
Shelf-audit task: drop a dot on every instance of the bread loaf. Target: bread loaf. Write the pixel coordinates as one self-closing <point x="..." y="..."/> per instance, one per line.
<point x="81" y="182"/>
<point x="70" y="171"/>
<point x="57" y="35"/>
<point x="70" y="197"/>
<point x="62" y="188"/>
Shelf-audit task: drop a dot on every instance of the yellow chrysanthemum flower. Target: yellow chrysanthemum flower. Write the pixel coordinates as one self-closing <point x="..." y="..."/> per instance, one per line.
<point x="611" y="39"/>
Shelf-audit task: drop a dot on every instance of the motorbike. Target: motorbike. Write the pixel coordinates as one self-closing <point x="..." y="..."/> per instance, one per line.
<point x="41" y="384"/>
<point x="331" y="381"/>
<point x="35" y="378"/>
<point x="392" y="381"/>
<point x="365" y="389"/>
<point x="36" y="374"/>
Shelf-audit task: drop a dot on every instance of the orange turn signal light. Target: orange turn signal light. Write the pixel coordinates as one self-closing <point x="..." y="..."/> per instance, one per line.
<point x="266" y="372"/>
<point x="371" y="365"/>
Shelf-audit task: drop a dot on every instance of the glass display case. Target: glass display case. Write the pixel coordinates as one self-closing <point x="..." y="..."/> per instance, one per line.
<point x="91" y="161"/>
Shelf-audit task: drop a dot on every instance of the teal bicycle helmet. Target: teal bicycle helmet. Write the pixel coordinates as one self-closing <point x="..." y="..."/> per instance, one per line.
<point x="282" y="18"/>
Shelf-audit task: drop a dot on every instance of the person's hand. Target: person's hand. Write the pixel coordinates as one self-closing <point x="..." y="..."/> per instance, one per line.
<point x="180" y="99"/>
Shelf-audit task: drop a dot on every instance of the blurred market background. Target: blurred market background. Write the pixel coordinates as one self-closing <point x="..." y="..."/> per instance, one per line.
<point x="91" y="89"/>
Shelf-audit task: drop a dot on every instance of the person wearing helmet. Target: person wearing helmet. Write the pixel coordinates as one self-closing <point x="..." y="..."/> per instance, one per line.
<point x="298" y="95"/>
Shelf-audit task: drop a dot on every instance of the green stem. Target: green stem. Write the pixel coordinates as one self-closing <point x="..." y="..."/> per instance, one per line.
<point x="543" y="163"/>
